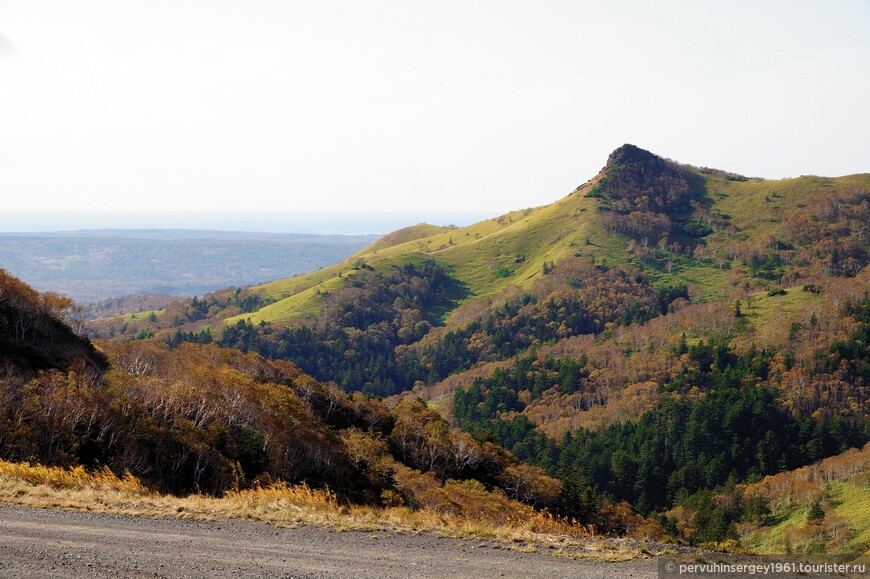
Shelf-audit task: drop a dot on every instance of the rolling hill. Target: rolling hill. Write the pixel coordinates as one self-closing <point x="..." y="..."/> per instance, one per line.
<point x="718" y="233"/>
<point x="711" y="231"/>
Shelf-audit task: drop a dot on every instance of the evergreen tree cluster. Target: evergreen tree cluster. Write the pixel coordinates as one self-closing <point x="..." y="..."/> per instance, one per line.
<point x="715" y="425"/>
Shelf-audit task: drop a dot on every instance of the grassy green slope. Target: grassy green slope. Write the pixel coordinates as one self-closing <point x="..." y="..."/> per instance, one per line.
<point x="485" y="257"/>
<point x="758" y="205"/>
<point x="842" y="493"/>
<point x="512" y="249"/>
<point x="412" y="233"/>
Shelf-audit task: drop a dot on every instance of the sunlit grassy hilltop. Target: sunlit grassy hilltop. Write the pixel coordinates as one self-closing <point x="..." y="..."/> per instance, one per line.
<point x="515" y="249"/>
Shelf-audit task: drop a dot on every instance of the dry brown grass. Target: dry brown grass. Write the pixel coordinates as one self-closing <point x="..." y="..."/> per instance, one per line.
<point x="283" y="504"/>
<point x="73" y="478"/>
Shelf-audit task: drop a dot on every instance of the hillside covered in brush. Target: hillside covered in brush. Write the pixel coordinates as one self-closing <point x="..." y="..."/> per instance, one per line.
<point x="33" y="335"/>
<point x="204" y="419"/>
<point x="661" y="332"/>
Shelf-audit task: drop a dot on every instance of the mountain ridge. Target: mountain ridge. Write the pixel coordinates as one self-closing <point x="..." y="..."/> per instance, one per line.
<point x="513" y="249"/>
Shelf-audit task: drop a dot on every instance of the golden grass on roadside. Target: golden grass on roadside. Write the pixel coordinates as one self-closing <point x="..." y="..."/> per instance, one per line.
<point x="281" y="504"/>
<point x="72" y="478"/>
<point x="103" y="491"/>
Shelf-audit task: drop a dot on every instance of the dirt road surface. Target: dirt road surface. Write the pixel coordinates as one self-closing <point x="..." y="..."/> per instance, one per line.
<point x="60" y="543"/>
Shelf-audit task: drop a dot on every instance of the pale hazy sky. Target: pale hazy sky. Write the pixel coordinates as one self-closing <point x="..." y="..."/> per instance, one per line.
<point x="440" y="106"/>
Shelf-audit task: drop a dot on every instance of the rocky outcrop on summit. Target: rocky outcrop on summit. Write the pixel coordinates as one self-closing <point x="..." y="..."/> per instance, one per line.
<point x="652" y="200"/>
<point x="637" y="180"/>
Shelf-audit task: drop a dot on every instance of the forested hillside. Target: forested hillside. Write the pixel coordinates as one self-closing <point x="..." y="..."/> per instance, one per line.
<point x="32" y="334"/>
<point x="662" y="334"/>
<point x="198" y="418"/>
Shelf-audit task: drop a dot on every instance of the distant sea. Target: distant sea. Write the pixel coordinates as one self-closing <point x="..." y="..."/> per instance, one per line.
<point x="346" y="223"/>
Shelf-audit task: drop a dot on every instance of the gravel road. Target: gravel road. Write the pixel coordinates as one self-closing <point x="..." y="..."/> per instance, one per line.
<point x="60" y="543"/>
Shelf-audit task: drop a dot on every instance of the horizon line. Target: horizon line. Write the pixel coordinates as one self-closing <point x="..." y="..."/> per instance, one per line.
<point x="305" y="222"/>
